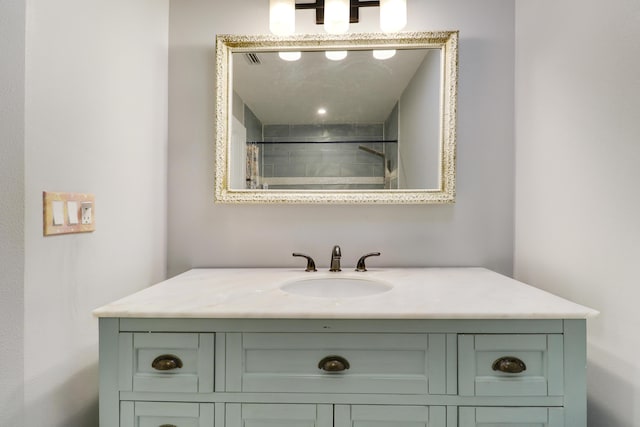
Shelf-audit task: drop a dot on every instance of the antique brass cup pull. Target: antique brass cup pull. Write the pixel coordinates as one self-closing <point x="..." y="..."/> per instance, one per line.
<point x="509" y="364"/>
<point x="166" y="362"/>
<point x="334" y="364"/>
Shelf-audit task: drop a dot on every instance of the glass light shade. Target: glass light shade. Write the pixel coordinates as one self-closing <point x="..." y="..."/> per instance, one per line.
<point x="336" y="55"/>
<point x="336" y="16"/>
<point x="290" y="56"/>
<point x="393" y="15"/>
<point x="282" y="17"/>
<point x="384" y="54"/>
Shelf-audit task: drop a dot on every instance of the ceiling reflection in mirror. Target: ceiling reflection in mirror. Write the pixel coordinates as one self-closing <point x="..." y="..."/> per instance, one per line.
<point x="338" y="124"/>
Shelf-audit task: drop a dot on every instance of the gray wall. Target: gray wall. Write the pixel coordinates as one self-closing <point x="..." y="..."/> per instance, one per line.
<point x="477" y="230"/>
<point x="419" y="126"/>
<point x="253" y="125"/>
<point x="12" y="63"/>
<point x="577" y="163"/>
<point x="95" y="121"/>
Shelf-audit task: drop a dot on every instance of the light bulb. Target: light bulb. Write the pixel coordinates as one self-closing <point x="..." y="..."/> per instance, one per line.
<point x="290" y="56"/>
<point x="282" y="17"/>
<point x="393" y="15"/>
<point x="336" y="16"/>
<point x="384" y="54"/>
<point x="336" y="55"/>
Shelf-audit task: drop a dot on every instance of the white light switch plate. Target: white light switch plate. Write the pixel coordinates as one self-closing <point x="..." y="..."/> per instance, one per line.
<point x="66" y="213"/>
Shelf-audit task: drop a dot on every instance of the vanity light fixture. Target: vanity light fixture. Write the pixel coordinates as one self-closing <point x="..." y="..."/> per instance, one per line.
<point x="282" y="17"/>
<point x="393" y="15"/>
<point x="336" y="15"/>
<point x="336" y="55"/>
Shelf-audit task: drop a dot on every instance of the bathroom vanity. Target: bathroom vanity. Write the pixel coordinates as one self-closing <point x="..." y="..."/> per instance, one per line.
<point x="266" y="348"/>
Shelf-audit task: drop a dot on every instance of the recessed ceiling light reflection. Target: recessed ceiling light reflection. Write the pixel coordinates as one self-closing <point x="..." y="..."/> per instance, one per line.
<point x="322" y="111"/>
<point x="384" y="54"/>
<point x="336" y="55"/>
<point x="290" y="56"/>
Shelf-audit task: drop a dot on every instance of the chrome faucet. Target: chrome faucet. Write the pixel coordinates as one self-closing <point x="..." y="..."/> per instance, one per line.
<point x="335" y="259"/>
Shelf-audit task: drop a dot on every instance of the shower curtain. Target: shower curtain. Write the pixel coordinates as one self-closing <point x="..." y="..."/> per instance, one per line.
<point x="253" y="166"/>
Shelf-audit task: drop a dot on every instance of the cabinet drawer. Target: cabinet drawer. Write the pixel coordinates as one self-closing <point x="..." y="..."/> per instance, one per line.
<point x="166" y="362"/>
<point x="513" y="417"/>
<point x="278" y="415"/>
<point x="154" y="414"/>
<point x="510" y="365"/>
<point x="325" y="415"/>
<point x="390" y="416"/>
<point x="377" y="363"/>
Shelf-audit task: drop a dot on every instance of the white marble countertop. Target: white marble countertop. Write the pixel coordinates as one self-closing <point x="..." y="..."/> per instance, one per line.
<point x="417" y="293"/>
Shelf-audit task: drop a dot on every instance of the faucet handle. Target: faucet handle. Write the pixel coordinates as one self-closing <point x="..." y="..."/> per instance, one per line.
<point x="311" y="265"/>
<point x="360" y="266"/>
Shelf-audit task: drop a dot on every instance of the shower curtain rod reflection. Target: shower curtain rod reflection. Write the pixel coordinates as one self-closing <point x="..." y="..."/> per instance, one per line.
<point x="325" y="142"/>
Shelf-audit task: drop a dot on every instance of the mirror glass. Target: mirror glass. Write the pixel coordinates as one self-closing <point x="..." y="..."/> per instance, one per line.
<point x="363" y="118"/>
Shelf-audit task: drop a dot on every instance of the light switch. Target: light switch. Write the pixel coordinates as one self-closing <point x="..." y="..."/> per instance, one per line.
<point x="58" y="212"/>
<point x="72" y="212"/>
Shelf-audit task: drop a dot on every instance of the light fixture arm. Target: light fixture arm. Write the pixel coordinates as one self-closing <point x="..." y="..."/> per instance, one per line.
<point x="354" y="15"/>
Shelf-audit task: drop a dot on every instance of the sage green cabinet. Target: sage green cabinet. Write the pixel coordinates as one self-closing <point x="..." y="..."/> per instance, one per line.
<point x="305" y="415"/>
<point x="187" y="357"/>
<point x="378" y="363"/>
<point x="390" y="415"/>
<point x="512" y="417"/>
<point x="166" y="414"/>
<point x="342" y="373"/>
<point x="285" y="415"/>
<point x="541" y="356"/>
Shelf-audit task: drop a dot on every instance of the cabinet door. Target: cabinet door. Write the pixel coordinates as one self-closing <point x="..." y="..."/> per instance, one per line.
<point x="511" y="417"/>
<point x="166" y="414"/>
<point x="390" y="416"/>
<point x="278" y="415"/>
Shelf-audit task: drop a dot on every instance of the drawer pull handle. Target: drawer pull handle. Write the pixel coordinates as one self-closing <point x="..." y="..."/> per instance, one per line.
<point x="166" y="362"/>
<point x="509" y="364"/>
<point x="168" y="425"/>
<point x="334" y="364"/>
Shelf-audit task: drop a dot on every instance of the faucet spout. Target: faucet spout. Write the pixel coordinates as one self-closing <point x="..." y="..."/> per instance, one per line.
<point x="335" y="259"/>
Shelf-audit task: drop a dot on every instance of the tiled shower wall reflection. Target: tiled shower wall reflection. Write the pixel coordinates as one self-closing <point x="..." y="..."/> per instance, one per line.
<point x="324" y="151"/>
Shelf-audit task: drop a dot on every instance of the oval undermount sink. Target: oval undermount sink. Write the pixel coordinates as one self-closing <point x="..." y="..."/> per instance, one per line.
<point x="336" y="287"/>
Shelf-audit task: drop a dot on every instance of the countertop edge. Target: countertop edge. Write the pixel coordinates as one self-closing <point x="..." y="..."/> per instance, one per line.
<point x="449" y="293"/>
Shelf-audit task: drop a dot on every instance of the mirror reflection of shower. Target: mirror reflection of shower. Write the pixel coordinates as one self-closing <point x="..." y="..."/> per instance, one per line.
<point x="388" y="172"/>
<point x="322" y="165"/>
<point x="305" y="121"/>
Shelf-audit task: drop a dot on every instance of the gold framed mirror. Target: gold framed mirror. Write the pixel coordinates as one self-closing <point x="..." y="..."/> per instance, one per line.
<point x="354" y="118"/>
